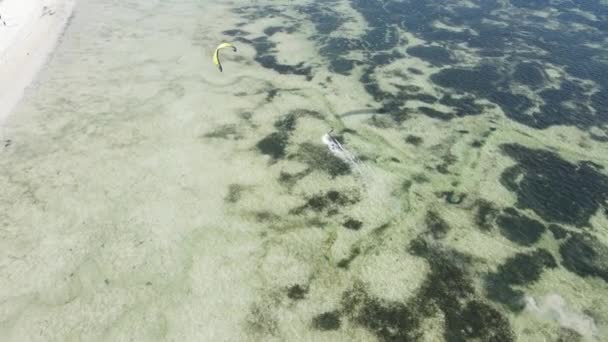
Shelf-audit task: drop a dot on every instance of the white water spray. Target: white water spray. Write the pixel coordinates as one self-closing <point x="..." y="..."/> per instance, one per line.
<point x="376" y="186"/>
<point x="339" y="151"/>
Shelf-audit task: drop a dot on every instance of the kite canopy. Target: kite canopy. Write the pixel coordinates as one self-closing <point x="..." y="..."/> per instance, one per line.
<point x="216" y="54"/>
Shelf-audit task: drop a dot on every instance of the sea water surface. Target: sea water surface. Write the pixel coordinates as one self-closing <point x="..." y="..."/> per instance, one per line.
<point x="147" y="196"/>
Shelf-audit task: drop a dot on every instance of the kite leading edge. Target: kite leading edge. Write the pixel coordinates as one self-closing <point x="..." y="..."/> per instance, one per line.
<point x="216" y="54"/>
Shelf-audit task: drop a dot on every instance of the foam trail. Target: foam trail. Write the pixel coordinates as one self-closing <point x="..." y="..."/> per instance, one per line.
<point x="377" y="188"/>
<point x="554" y="308"/>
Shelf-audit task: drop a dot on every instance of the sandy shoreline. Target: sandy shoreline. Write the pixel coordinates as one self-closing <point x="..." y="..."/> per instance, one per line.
<point x="30" y="30"/>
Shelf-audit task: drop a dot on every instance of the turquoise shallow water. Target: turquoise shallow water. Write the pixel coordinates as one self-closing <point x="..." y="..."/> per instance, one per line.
<point x="147" y="196"/>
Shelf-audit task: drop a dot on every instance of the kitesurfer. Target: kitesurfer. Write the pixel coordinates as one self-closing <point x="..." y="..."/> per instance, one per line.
<point x="216" y="54"/>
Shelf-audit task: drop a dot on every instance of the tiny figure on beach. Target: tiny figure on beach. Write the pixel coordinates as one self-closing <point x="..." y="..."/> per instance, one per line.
<point x="216" y="54"/>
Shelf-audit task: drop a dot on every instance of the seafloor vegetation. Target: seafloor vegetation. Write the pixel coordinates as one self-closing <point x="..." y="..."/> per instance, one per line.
<point x="447" y="195"/>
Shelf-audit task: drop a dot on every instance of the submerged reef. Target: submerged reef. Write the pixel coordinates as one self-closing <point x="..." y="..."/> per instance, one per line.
<point x="519" y="270"/>
<point x="558" y="232"/>
<point x="228" y="132"/>
<point x="275" y="143"/>
<point x="327" y="321"/>
<point x="473" y="75"/>
<point x="329" y="202"/>
<point x="519" y="228"/>
<point x="490" y="37"/>
<point x="389" y="321"/>
<point x="586" y="256"/>
<point x="436" y="55"/>
<point x="556" y="190"/>
<point x="436" y="225"/>
<point x="318" y="157"/>
<point x="265" y="56"/>
<point x="297" y="292"/>
<point x="485" y="214"/>
<point x="449" y="288"/>
<point x="352" y="224"/>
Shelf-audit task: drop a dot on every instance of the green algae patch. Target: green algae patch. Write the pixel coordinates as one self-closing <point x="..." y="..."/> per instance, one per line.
<point x="318" y="157"/>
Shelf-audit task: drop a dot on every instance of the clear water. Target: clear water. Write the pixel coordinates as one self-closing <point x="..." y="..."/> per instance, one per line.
<point x="147" y="196"/>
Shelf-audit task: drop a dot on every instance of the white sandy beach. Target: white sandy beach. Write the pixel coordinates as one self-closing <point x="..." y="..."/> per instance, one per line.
<point x="29" y="30"/>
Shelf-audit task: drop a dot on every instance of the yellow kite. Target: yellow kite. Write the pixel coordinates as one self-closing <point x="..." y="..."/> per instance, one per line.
<point x="216" y="54"/>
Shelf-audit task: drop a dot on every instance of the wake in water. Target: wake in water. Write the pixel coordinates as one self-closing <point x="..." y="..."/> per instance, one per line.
<point x="339" y="151"/>
<point x="377" y="187"/>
